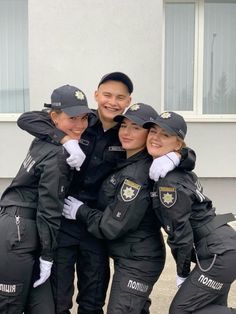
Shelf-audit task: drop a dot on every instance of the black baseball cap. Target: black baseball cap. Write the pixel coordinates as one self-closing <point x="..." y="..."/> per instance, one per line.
<point x="172" y="122"/>
<point x="69" y="99"/>
<point x="120" y="77"/>
<point x="138" y="113"/>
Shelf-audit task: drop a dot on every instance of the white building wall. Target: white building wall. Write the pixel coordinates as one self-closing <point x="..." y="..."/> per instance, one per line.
<point x="78" y="41"/>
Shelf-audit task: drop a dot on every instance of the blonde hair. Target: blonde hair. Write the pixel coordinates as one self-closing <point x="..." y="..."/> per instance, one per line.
<point x="182" y="143"/>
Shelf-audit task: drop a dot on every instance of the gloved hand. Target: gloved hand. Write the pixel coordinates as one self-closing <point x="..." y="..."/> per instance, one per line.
<point x="71" y="206"/>
<point x="162" y="165"/>
<point x="45" y="272"/>
<point x="77" y="156"/>
<point x="180" y="281"/>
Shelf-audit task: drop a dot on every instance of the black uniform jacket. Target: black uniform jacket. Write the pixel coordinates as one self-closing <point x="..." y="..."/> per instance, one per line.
<point x="102" y="148"/>
<point x="126" y="214"/>
<point x="181" y="207"/>
<point x="41" y="185"/>
<point x="103" y="152"/>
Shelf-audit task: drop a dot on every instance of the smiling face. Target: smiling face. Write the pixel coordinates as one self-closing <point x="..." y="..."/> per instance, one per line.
<point x="132" y="137"/>
<point x="72" y="126"/>
<point x="159" y="142"/>
<point x="112" y="98"/>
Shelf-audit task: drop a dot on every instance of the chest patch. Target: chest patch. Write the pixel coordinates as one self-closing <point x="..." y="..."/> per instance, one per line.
<point x="129" y="190"/>
<point x="168" y="196"/>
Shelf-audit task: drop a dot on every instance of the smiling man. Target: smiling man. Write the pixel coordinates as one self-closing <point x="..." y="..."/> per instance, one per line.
<point x="113" y="97"/>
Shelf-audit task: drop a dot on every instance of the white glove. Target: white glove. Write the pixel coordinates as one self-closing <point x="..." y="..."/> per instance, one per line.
<point x="162" y="165"/>
<point x="45" y="272"/>
<point x="180" y="281"/>
<point x="71" y="206"/>
<point x="77" y="156"/>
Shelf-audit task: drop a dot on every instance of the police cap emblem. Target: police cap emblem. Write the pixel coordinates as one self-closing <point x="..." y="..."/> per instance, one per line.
<point x="168" y="196"/>
<point x="134" y="107"/>
<point x="79" y="95"/>
<point x="129" y="190"/>
<point x="165" y="115"/>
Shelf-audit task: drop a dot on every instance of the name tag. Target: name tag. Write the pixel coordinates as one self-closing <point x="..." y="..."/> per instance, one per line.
<point x="115" y="148"/>
<point x="84" y="142"/>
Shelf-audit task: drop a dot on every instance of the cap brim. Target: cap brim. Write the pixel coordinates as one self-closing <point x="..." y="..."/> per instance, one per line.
<point x="136" y="120"/>
<point x="148" y="125"/>
<point x="75" y="111"/>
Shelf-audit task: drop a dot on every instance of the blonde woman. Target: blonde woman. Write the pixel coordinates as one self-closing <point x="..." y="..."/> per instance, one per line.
<point x="195" y="232"/>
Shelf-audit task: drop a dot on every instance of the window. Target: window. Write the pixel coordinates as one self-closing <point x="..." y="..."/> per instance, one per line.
<point x="14" y="90"/>
<point x="200" y="63"/>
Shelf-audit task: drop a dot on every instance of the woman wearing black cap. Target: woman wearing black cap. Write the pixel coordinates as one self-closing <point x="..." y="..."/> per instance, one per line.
<point x="125" y="218"/>
<point x="31" y="208"/>
<point x="195" y="232"/>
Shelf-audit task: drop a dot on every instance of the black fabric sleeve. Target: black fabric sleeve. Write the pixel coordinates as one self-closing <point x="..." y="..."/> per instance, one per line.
<point x="188" y="159"/>
<point x="39" y="124"/>
<point x="173" y="207"/>
<point x="54" y="180"/>
<point x="119" y="217"/>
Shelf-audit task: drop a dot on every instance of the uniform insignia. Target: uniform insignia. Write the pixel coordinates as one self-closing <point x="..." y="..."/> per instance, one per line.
<point x="134" y="107"/>
<point x="153" y="194"/>
<point x="113" y="180"/>
<point x="120" y="211"/>
<point x="84" y="142"/>
<point x="168" y="196"/>
<point x="165" y="115"/>
<point x="28" y="162"/>
<point x="129" y="190"/>
<point x="79" y="95"/>
<point x="56" y="104"/>
<point x="116" y="149"/>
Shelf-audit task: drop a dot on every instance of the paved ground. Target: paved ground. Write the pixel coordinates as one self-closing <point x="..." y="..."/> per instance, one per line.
<point x="165" y="289"/>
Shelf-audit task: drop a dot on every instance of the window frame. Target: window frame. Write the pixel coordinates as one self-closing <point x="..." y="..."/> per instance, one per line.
<point x="13" y="116"/>
<point x="196" y="114"/>
<point x="8" y="117"/>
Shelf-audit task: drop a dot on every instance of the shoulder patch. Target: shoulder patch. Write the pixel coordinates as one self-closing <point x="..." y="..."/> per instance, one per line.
<point x="168" y="196"/>
<point x="129" y="190"/>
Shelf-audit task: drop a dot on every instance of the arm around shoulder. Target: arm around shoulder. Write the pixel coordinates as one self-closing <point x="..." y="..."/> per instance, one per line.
<point x="39" y="124"/>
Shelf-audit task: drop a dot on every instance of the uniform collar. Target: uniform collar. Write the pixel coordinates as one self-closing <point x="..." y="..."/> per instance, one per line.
<point x="94" y="119"/>
<point x="138" y="156"/>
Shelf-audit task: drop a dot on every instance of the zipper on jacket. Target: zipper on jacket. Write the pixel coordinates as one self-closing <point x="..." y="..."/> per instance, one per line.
<point x="18" y="227"/>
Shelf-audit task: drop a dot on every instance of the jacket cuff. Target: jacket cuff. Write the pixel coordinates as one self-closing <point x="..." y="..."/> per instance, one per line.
<point x="46" y="256"/>
<point x="82" y="213"/>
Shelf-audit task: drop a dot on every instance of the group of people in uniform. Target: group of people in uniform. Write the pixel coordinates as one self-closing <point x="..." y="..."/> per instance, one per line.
<point x="100" y="184"/>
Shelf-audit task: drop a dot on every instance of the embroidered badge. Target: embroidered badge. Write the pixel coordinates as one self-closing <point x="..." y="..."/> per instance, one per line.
<point x="165" y="115"/>
<point x="79" y="95"/>
<point x="134" y="107"/>
<point x="129" y="190"/>
<point x="168" y="196"/>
